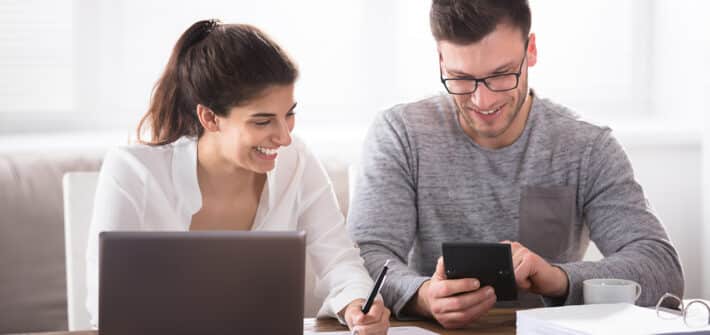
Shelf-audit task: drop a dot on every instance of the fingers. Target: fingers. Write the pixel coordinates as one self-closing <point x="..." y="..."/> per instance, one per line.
<point x="519" y="257"/>
<point x="462" y="301"/>
<point x="377" y="312"/>
<point x="353" y="312"/>
<point x="462" y="319"/>
<point x="464" y="309"/>
<point x="447" y="288"/>
<point x="522" y="264"/>
<point x="514" y="246"/>
<point x="439" y="273"/>
<point x="533" y="273"/>
<point x="379" y="328"/>
<point x="522" y="273"/>
<point x="455" y="303"/>
<point x="375" y="322"/>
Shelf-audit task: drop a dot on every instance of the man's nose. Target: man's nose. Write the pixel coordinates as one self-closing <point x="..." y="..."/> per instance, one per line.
<point x="483" y="97"/>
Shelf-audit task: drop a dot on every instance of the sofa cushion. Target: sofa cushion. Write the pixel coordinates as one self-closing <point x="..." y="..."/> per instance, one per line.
<point x="337" y="171"/>
<point x="33" y="289"/>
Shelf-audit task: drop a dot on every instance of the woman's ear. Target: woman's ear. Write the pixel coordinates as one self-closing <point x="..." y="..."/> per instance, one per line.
<point x="208" y="119"/>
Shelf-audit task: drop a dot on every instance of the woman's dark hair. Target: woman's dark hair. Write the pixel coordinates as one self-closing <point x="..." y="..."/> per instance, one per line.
<point x="219" y="66"/>
<point x="468" y="21"/>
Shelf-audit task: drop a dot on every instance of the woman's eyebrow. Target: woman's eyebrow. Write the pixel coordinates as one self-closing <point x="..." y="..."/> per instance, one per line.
<point x="273" y="114"/>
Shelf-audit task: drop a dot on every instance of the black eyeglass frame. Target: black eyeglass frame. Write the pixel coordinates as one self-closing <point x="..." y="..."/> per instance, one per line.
<point x="484" y="79"/>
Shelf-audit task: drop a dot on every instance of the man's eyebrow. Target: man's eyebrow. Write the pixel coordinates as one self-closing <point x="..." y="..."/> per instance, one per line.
<point x="505" y="68"/>
<point x="273" y="114"/>
<point x="458" y="73"/>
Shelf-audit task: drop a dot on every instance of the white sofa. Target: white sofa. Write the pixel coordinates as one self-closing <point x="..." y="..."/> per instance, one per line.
<point x="32" y="279"/>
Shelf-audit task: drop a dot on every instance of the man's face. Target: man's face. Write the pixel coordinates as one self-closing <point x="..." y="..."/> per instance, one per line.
<point x="492" y="119"/>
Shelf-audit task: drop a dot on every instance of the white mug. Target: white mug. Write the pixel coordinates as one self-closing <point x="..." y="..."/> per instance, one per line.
<point x="610" y="291"/>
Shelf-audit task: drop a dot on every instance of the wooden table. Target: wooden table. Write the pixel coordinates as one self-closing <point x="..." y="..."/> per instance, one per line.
<point x="496" y="322"/>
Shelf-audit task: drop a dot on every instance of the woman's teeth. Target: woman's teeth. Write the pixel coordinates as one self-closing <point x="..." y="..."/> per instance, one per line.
<point x="267" y="151"/>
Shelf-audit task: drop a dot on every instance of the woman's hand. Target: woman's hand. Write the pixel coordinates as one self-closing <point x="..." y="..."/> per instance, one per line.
<point x="375" y="322"/>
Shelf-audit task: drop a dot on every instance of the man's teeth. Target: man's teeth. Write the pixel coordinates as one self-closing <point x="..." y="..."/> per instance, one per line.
<point x="489" y="112"/>
<point x="267" y="151"/>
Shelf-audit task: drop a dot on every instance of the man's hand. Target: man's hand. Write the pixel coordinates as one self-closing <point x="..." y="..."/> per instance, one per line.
<point x="453" y="303"/>
<point x="534" y="274"/>
<point x="375" y="322"/>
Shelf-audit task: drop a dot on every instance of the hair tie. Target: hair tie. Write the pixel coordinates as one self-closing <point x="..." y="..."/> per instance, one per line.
<point x="210" y="25"/>
<point x="198" y="32"/>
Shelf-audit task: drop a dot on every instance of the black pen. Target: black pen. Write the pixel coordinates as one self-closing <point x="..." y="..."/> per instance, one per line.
<point x="376" y="289"/>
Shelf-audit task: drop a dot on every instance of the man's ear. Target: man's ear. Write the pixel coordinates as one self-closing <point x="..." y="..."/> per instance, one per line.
<point x="532" y="50"/>
<point x="441" y="61"/>
<point x="208" y="119"/>
<point x="438" y="52"/>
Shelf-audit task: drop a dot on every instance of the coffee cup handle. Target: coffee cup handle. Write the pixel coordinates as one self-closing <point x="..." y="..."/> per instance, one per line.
<point x="638" y="291"/>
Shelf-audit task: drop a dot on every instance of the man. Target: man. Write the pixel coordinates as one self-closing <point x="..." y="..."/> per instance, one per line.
<point x="492" y="162"/>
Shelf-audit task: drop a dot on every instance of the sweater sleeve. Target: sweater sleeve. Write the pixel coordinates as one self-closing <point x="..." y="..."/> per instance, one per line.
<point x="383" y="214"/>
<point x="119" y="204"/>
<point x="633" y="241"/>
<point x="342" y="277"/>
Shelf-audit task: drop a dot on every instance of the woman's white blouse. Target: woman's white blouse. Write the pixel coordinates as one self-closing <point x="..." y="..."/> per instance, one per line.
<point x="155" y="188"/>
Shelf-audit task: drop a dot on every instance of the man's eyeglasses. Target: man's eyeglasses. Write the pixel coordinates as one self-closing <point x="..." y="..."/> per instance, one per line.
<point x="496" y="83"/>
<point x="695" y="314"/>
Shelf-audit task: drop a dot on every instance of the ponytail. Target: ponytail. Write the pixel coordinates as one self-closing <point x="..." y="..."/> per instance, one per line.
<point x="215" y="65"/>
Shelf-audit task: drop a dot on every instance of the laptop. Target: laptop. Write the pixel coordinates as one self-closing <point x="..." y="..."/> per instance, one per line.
<point x="224" y="282"/>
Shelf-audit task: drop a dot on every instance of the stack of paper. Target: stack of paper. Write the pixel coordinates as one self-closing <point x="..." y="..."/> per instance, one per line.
<point x="599" y="319"/>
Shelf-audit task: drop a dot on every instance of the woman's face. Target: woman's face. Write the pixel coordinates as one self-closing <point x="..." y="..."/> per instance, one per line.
<point x="251" y="135"/>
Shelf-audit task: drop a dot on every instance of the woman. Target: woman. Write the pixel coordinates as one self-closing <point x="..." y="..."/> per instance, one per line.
<point x="221" y="157"/>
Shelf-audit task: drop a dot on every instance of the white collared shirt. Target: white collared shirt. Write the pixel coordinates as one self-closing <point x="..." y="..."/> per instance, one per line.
<point x="155" y="188"/>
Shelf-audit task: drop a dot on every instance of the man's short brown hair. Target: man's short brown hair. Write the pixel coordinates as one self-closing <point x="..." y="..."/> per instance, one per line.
<point x="468" y="21"/>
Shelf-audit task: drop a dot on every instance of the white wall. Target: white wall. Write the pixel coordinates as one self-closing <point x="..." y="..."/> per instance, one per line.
<point x="607" y="59"/>
<point x="680" y="96"/>
<point x="704" y="248"/>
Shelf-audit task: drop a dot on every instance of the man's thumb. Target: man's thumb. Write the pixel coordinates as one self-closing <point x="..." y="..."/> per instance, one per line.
<point x="440" y="273"/>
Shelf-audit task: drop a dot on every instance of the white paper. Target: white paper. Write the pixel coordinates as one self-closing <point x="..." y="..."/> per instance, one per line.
<point x="598" y="319"/>
<point x="392" y="331"/>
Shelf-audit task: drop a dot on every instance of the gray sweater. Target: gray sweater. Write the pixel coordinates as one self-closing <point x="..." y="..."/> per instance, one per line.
<point x="422" y="181"/>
